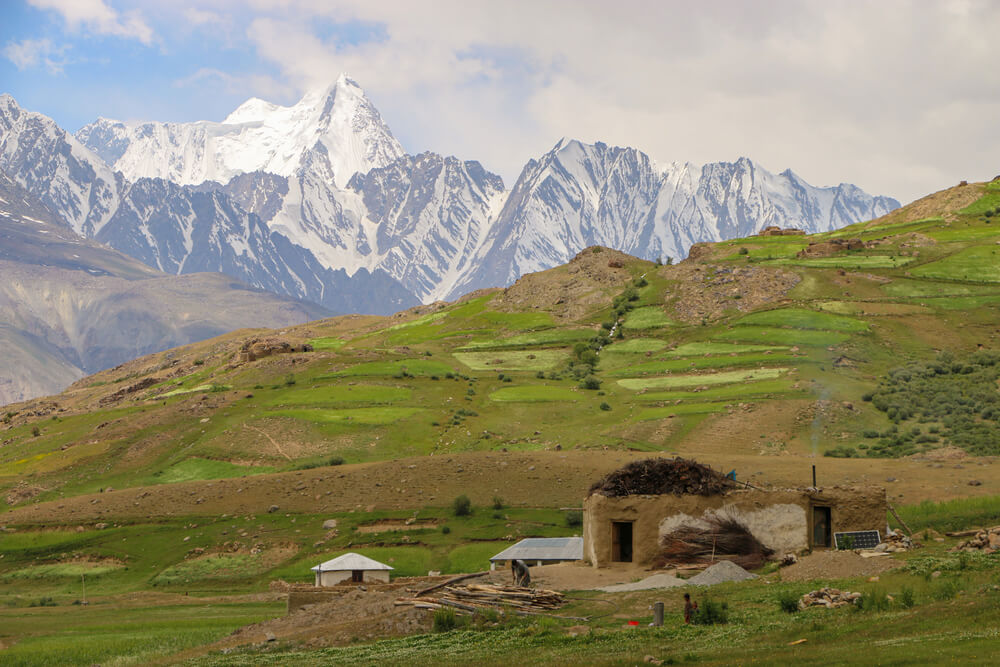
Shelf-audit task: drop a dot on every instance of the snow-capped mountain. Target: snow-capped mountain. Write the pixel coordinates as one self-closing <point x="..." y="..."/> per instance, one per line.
<point x="319" y="201"/>
<point x="176" y="228"/>
<point x="52" y="166"/>
<point x="338" y="123"/>
<point x="578" y="195"/>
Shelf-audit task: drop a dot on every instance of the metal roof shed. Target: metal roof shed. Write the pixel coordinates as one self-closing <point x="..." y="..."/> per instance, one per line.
<point x="541" y="550"/>
<point x="351" y="568"/>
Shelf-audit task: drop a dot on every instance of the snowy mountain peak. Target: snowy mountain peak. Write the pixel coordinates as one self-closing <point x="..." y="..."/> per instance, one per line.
<point x="254" y="109"/>
<point x="257" y="136"/>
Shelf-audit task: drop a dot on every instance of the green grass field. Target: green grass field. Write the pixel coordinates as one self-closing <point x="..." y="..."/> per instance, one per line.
<point x="537" y="338"/>
<point x="800" y="318"/>
<point x="534" y="394"/>
<point x="700" y="349"/>
<point x="360" y="416"/>
<point x="327" y="343"/>
<point x="99" y="634"/>
<point x="706" y="379"/>
<point x="196" y="468"/>
<point x="416" y="367"/>
<point x="726" y="392"/>
<point x="513" y="360"/>
<point x="776" y="336"/>
<point x="341" y="394"/>
<point x="635" y="345"/>
<point x="647" y="317"/>
<point x="980" y="264"/>
<point x="698" y="363"/>
<point x="844" y="262"/>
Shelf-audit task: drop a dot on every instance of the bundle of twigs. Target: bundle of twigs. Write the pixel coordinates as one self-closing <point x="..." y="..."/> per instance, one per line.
<point x="475" y="597"/>
<point x="724" y="538"/>
<point x="659" y="476"/>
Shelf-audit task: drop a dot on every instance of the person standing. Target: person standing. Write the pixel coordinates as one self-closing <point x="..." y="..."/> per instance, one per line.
<point x="689" y="608"/>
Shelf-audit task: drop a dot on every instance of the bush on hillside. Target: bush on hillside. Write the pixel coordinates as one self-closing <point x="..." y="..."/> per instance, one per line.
<point x="710" y="612"/>
<point x="462" y="506"/>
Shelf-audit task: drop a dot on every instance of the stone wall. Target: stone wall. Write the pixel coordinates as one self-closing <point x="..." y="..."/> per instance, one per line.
<point x="782" y="520"/>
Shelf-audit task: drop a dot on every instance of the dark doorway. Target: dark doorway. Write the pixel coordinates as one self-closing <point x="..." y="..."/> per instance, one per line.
<point x="822" y="536"/>
<point x="357" y="576"/>
<point x="621" y="541"/>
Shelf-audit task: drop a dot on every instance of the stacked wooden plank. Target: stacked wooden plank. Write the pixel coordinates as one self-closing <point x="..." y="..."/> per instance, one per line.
<point x="474" y="597"/>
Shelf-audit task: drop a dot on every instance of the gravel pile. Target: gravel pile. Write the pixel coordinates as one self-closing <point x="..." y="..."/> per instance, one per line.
<point x="649" y="583"/>
<point x="720" y="573"/>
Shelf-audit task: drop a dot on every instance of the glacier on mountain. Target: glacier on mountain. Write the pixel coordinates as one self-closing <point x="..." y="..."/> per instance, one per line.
<point x="338" y="121"/>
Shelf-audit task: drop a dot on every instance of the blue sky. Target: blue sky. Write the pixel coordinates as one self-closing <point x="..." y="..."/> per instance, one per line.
<point x="897" y="96"/>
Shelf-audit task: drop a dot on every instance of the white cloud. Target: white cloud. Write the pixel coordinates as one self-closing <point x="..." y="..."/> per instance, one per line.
<point x="896" y="96"/>
<point x="99" y="18"/>
<point x="29" y="53"/>
<point x="237" y="84"/>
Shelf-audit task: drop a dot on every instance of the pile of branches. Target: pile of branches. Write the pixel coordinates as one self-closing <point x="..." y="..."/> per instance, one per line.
<point x="475" y="597"/>
<point x="724" y="538"/>
<point x="659" y="476"/>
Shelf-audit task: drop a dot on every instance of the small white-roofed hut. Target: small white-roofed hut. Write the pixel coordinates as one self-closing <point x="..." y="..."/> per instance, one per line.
<point x="351" y="568"/>
<point x="541" y="551"/>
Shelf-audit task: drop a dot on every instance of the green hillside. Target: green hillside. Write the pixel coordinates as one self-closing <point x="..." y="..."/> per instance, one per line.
<point x="490" y="371"/>
<point x="766" y="354"/>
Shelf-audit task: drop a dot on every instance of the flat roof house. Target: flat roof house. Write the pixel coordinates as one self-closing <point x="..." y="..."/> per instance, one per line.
<point x="541" y="551"/>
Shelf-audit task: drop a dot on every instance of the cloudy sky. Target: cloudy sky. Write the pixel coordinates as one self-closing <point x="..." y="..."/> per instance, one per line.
<point x="901" y="98"/>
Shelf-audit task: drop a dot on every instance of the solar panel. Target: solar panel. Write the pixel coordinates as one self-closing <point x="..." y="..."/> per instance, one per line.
<point x="858" y="539"/>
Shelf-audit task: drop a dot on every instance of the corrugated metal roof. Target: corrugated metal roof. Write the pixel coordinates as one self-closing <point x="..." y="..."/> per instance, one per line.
<point x="544" y="548"/>
<point x="350" y="561"/>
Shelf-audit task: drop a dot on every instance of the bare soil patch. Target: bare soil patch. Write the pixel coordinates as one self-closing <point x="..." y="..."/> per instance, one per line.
<point x="571" y="291"/>
<point x="837" y="565"/>
<point x="706" y="291"/>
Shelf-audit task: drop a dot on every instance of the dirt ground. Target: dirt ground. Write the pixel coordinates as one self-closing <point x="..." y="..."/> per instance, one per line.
<point x="574" y="576"/>
<point x="837" y="565"/>
<point x="523" y="479"/>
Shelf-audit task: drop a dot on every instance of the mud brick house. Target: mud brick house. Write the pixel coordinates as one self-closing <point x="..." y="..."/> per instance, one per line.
<point x="621" y="524"/>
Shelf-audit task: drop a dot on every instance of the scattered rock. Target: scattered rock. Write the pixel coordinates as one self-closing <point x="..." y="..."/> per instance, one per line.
<point x="829" y="598"/>
<point x="272" y="509"/>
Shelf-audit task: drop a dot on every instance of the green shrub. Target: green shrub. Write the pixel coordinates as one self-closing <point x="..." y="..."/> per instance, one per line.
<point x="605" y="406"/>
<point x="445" y="530"/>
<point x="788" y="602"/>
<point x="590" y="382"/>
<point x="497" y="503"/>
<point x="289" y="380"/>
<point x="710" y="612"/>
<point x="948" y="589"/>
<point x="842" y="452"/>
<point x="574" y="518"/>
<point x="35" y="431"/>
<point x="462" y="506"/>
<point x="906" y="598"/>
<point x="873" y="601"/>
<point x="744" y="251"/>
